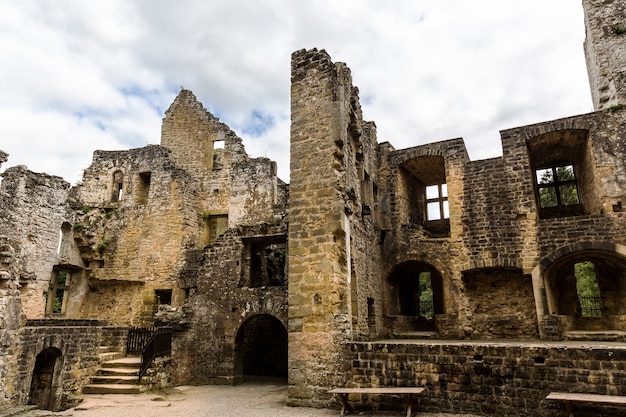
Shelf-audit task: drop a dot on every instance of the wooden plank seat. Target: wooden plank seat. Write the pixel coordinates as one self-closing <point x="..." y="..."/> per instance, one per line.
<point x="569" y="397"/>
<point x="406" y="392"/>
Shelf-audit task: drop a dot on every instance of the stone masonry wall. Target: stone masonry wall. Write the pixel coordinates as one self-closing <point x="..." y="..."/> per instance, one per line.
<point x="491" y="378"/>
<point x="221" y="303"/>
<point x="605" y="26"/>
<point x="33" y="208"/>
<point x="319" y="227"/>
<point x="78" y="345"/>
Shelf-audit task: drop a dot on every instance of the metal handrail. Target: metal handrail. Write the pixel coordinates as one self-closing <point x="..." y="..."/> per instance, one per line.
<point x="160" y="344"/>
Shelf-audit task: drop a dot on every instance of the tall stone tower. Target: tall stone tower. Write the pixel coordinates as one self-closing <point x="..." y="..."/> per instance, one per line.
<point x="319" y="300"/>
<point x="605" y="51"/>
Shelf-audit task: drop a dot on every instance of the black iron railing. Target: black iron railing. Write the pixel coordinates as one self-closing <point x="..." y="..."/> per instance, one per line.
<point x="159" y="345"/>
<point x="590" y="306"/>
<point x="151" y="343"/>
<point x="138" y="338"/>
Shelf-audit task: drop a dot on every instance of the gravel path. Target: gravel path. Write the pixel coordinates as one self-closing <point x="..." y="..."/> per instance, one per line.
<point x="250" y="399"/>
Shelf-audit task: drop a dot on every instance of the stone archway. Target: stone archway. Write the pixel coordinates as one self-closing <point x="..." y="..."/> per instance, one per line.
<point x="44" y="379"/>
<point x="261" y="348"/>
<point x="559" y="308"/>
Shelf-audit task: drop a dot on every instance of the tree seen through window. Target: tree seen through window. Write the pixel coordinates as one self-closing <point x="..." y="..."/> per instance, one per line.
<point x="587" y="289"/>
<point x="557" y="186"/>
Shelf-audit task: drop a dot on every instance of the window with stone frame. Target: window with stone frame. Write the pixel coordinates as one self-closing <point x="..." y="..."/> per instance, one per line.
<point x="118" y="186"/>
<point x="423" y="195"/>
<point x="214" y="226"/>
<point x="561" y="173"/>
<point x="437" y="202"/>
<point x="557" y="186"/>
<point x="58" y="289"/>
<point x="263" y="261"/>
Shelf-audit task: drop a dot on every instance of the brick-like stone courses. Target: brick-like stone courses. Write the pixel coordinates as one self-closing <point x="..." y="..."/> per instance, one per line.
<point x="78" y="346"/>
<point x="605" y="51"/>
<point x="192" y="134"/>
<point x="319" y="302"/>
<point x="33" y="207"/>
<point x="135" y="239"/>
<point x="492" y="378"/>
<point x="220" y="306"/>
<point x="11" y="319"/>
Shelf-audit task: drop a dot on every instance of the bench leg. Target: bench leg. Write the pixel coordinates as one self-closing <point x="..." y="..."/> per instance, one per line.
<point x="409" y="405"/>
<point x="569" y="407"/>
<point x="345" y="407"/>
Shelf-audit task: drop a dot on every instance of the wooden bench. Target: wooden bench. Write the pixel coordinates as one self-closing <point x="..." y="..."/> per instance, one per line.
<point x="407" y="392"/>
<point x="569" y="397"/>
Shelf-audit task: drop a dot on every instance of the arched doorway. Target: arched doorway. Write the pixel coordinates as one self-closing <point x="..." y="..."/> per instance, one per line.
<point x="588" y="289"/>
<point x="415" y="296"/>
<point x="261" y="348"/>
<point x="44" y="379"/>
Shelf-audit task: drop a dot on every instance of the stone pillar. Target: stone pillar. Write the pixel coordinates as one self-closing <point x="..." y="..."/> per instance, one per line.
<point x="319" y="295"/>
<point x="605" y="51"/>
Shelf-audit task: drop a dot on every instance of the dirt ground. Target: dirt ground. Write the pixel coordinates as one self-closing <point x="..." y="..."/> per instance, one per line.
<point x="258" y="398"/>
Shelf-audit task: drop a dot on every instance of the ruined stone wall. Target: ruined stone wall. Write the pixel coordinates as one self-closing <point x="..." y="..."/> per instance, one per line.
<point x="140" y="237"/>
<point x="77" y="343"/>
<point x="220" y="302"/>
<point x="605" y="26"/>
<point x="491" y="378"/>
<point x="323" y="211"/>
<point x="11" y="319"/>
<point x="33" y="207"/>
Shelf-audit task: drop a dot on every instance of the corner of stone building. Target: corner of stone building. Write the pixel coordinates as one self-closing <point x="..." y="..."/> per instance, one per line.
<point x="605" y="52"/>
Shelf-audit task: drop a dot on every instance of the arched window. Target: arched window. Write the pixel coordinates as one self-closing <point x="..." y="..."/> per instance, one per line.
<point x="118" y="186"/>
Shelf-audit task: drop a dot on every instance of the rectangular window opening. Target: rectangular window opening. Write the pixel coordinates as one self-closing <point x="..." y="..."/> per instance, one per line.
<point x="437" y="207"/>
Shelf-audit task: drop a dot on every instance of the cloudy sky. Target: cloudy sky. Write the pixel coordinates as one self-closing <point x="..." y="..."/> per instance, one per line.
<point x="79" y="75"/>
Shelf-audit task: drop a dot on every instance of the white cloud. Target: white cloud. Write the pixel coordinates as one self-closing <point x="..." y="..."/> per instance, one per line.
<point x="79" y="76"/>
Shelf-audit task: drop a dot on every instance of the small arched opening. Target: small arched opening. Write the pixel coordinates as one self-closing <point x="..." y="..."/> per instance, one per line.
<point x="416" y="296"/>
<point x="588" y="289"/>
<point x="261" y="348"/>
<point x="45" y="380"/>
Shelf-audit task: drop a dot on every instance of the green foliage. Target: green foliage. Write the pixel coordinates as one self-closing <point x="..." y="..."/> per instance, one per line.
<point x="587" y="289"/>
<point x="619" y="29"/>
<point x="568" y="193"/>
<point x="86" y="209"/>
<point x="78" y="227"/>
<point x="102" y="246"/>
<point x="586" y="281"/>
<point x="616" y="107"/>
<point x="426" y="295"/>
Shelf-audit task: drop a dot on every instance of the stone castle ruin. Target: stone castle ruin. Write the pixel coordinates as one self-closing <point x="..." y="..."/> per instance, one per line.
<point x="490" y="282"/>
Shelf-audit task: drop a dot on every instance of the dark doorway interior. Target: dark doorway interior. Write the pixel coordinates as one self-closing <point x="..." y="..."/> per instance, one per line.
<point x="262" y="347"/>
<point x="43" y="381"/>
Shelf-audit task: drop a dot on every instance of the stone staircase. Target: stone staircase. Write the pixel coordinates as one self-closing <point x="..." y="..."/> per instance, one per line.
<point x="117" y="374"/>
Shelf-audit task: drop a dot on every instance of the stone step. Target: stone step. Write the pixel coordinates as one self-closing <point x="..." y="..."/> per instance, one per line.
<point x="127" y="362"/>
<point x="591" y="335"/>
<point x="421" y="335"/>
<point x="118" y="371"/>
<point x="113" y="379"/>
<point x="112" y="389"/>
<point x="109" y="356"/>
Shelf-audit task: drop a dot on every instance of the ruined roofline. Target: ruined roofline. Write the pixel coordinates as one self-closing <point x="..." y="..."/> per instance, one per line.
<point x="579" y="121"/>
<point x="23" y="171"/>
<point x="188" y="98"/>
<point x="164" y="151"/>
<point x="435" y="148"/>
